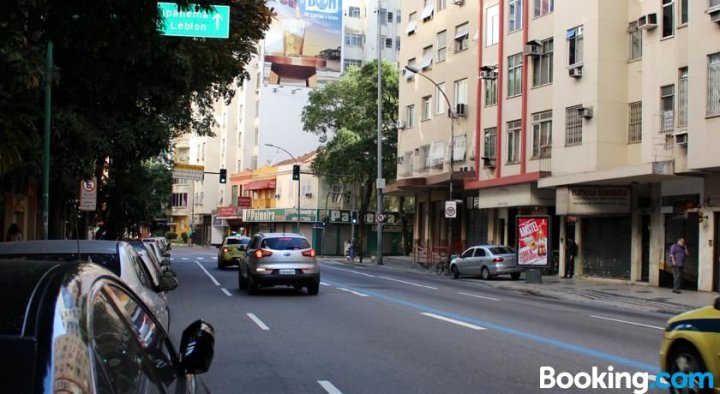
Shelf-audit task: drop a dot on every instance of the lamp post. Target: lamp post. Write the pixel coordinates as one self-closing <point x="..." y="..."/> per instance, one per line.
<point x="379" y="187"/>
<point x="298" y="193"/>
<point x="451" y="115"/>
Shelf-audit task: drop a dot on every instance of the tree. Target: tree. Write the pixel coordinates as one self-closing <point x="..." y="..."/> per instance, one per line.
<point x="121" y="90"/>
<point x="344" y="115"/>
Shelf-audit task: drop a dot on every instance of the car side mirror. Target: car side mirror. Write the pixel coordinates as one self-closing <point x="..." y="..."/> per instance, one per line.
<point x="168" y="283"/>
<point x="197" y="347"/>
<point x="166" y="254"/>
<point x="717" y="303"/>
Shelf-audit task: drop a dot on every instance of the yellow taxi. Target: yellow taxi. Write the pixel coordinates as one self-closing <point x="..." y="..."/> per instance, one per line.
<point x="692" y="344"/>
<point x="232" y="251"/>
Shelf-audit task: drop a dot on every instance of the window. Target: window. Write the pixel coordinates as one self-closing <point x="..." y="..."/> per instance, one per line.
<point x="459" y="147"/>
<point x="542" y="135"/>
<point x="412" y="24"/>
<point x="306" y="186"/>
<point x="407" y="164"/>
<point x="635" y="122"/>
<point x="492" y="25"/>
<point x="383" y="16"/>
<point x="461" y="91"/>
<point x="442" y="46"/>
<point x="515" y="15"/>
<point x="388" y="42"/>
<point x="543" y="64"/>
<point x="573" y="125"/>
<point x="347" y="63"/>
<point x="410" y="75"/>
<point x="543" y="7"/>
<point x="436" y="154"/>
<point x="390" y="17"/>
<point x="354" y="12"/>
<point x="180" y="200"/>
<point x="667" y="106"/>
<point x="410" y="116"/>
<point x="635" y="36"/>
<point x="713" y="85"/>
<point x="397" y="43"/>
<point x="441" y="4"/>
<point x="682" y="97"/>
<point x="440" y="99"/>
<point x="668" y="18"/>
<point x="422" y="154"/>
<point x="428" y="11"/>
<point x="240" y="138"/>
<point x="491" y="92"/>
<point x="426" y="107"/>
<point x="461" y="37"/>
<point x="575" y="46"/>
<point x="490" y="143"/>
<point x="515" y="75"/>
<point x="684" y="11"/>
<point x="513" y="146"/>
<point x="354" y="40"/>
<point x="427" y="58"/>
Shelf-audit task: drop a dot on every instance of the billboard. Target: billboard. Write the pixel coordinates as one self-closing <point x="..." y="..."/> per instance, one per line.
<point x="533" y="240"/>
<point x="304" y="43"/>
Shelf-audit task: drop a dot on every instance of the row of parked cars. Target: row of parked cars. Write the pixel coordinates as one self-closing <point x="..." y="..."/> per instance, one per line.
<point x="92" y="316"/>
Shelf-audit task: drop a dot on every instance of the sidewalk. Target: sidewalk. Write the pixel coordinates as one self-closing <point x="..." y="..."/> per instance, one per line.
<point x="615" y="293"/>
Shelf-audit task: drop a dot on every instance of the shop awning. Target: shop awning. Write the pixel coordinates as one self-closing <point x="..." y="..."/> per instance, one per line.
<point x="261" y="184"/>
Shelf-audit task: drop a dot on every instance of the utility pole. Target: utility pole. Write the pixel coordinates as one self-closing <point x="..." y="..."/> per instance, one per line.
<point x="378" y="188"/>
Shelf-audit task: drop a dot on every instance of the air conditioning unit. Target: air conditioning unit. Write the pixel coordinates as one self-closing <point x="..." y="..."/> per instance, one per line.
<point x="714" y="13"/>
<point x="458" y="2"/>
<point x="461" y="110"/>
<point x="647" y="22"/>
<point x="488" y="74"/>
<point x="401" y="124"/>
<point x="532" y="48"/>
<point x="681" y="138"/>
<point x="466" y="169"/>
<point x="586" y="112"/>
<point x="576" y="72"/>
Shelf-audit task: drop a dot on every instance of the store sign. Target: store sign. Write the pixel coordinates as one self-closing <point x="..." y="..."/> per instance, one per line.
<point x="533" y="240"/>
<point x="280" y="215"/>
<point x="244" y="202"/>
<point x="229" y="212"/>
<point x="593" y="200"/>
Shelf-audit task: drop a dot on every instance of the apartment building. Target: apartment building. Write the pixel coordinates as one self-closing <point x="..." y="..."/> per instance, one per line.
<point x="602" y="115"/>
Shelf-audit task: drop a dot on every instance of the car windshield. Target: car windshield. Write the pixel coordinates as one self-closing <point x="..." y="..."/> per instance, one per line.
<point x="285" y="243"/>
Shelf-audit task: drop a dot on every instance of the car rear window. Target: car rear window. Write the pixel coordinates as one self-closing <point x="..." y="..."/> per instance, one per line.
<point x="285" y="243"/>
<point x="501" y="250"/>
<point x="237" y="241"/>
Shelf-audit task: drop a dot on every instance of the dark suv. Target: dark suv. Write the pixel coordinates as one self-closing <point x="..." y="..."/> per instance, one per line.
<point x="279" y="259"/>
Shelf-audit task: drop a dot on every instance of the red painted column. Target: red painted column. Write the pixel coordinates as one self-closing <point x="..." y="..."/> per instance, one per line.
<point x="500" y="79"/>
<point x="478" y="88"/>
<point x="525" y="85"/>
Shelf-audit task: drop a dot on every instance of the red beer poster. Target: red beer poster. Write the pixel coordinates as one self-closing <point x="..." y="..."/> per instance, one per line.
<point x="533" y="241"/>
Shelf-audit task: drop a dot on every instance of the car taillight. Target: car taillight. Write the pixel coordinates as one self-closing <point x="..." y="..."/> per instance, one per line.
<point x="309" y="253"/>
<point x="226" y="250"/>
<point x="498" y="259"/>
<point x="260" y="253"/>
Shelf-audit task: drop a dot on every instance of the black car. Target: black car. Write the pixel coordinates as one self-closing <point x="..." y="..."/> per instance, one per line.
<point x="77" y="328"/>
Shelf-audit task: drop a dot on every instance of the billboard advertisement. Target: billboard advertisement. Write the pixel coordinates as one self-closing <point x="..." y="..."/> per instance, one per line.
<point x="533" y="240"/>
<point x="303" y="45"/>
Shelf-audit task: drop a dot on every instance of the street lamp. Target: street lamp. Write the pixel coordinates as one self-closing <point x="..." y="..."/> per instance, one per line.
<point x="298" y="193"/>
<point x="451" y="115"/>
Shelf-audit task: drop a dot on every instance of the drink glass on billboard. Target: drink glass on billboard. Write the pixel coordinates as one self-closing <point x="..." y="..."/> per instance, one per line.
<point x="293" y="36"/>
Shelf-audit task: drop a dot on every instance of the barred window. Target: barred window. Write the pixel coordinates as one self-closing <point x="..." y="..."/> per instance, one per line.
<point x="573" y="125"/>
<point x="683" y="97"/>
<point x="490" y="143"/>
<point x="635" y="122"/>
<point x="713" y="85"/>
<point x="542" y="134"/>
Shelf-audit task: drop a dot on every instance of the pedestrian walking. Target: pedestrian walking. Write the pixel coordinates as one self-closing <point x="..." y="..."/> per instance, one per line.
<point x="13" y="233"/>
<point x="571" y="251"/>
<point x="678" y="253"/>
<point x="349" y="253"/>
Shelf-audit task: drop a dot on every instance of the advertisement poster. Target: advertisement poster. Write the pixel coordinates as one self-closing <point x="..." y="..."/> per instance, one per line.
<point x="303" y="45"/>
<point x="533" y="240"/>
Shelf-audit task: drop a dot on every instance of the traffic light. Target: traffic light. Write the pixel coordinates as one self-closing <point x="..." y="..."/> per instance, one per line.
<point x="296" y="172"/>
<point x="223" y="175"/>
<point x="354" y="217"/>
<point x="347" y="198"/>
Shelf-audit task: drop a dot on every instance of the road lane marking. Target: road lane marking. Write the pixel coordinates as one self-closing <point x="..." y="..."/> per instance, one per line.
<point x="628" y="322"/>
<point x="407" y="283"/>
<point x="453" y="321"/>
<point x="201" y="258"/>
<point x="479" y="296"/>
<point x="329" y="387"/>
<point x="354" y="292"/>
<point x="227" y="293"/>
<point x="186" y="258"/>
<point x="208" y="274"/>
<point x="352" y="271"/>
<point x="258" y="322"/>
<point x="324" y="284"/>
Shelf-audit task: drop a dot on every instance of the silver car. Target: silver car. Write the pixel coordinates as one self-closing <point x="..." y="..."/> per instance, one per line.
<point x="279" y="259"/>
<point x="486" y="261"/>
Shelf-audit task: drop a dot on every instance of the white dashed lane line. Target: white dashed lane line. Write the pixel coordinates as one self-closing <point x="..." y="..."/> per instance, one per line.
<point x="329" y="387"/>
<point x="479" y="296"/>
<point x="627" y="322"/>
<point x="257" y="321"/>
<point x="208" y="274"/>
<point x="407" y="283"/>
<point x="453" y="321"/>
<point x="353" y="292"/>
<point x="227" y="293"/>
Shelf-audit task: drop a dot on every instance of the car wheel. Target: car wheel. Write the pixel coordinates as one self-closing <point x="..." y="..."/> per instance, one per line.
<point x="455" y="271"/>
<point x="515" y="276"/>
<point x="686" y="359"/>
<point x="242" y="282"/>
<point x="252" y="287"/>
<point x="485" y="273"/>
<point x="313" y="289"/>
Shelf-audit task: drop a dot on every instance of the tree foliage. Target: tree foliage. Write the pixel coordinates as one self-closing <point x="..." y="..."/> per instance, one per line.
<point x="344" y="115"/>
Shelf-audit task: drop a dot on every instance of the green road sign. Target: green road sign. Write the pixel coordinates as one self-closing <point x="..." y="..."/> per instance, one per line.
<point x="192" y="23"/>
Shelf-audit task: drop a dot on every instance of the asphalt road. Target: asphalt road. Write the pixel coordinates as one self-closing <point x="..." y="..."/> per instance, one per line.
<point x="378" y="330"/>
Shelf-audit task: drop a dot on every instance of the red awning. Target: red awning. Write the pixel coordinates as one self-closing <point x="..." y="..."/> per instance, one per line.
<point x="259" y="185"/>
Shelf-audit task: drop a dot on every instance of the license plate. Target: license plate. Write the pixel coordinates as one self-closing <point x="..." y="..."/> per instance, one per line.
<point x="287" y="272"/>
